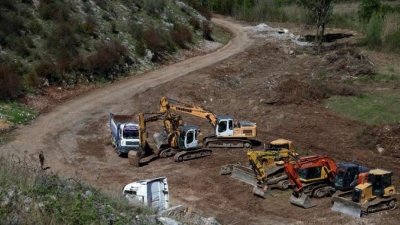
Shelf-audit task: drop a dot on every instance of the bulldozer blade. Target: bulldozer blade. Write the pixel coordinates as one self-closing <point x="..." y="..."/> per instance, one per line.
<point x="303" y="201"/>
<point x="346" y="207"/>
<point x="134" y="158"/>
<point x="159" y="139"/>
<point x="260" y="192"/>
<point x="243" y="174"/>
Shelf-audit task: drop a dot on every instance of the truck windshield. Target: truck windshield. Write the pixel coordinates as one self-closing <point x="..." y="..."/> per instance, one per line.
<point x="131" y="134"/>
<point x="339" y="177"/>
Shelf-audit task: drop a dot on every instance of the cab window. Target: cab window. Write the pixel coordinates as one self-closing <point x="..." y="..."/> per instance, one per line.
<point x="222" y="126"/>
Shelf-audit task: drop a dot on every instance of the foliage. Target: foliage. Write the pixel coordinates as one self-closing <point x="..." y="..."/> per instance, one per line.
<point x="39" y="197"/>
<point x="319" y="12"/>
<point x="392" y="41"/>
<point x="373" y="36"/>
<point x="368" y="8"/>
<point x="181" y="35"/>
<point x="10" y="85"/>
<point x="15" y="113"/>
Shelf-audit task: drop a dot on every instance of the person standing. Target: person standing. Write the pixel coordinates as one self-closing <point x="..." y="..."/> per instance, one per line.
<point x="41" y="159"/>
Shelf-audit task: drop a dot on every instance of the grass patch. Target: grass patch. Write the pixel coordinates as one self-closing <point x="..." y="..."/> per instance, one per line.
<point x="16" y="114"/>
<point x="368" y="108"/>
<point x="380" y="78"/>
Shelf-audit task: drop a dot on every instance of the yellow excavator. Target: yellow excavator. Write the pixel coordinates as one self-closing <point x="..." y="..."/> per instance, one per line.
<point x="182" y="140"/>
<point x="228" y="134"/>
<point x="377" y="194"/>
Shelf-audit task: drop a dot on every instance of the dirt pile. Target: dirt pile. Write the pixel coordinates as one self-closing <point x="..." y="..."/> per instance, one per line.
<point x="385" y="138"/>
<point x="347" y="63"/>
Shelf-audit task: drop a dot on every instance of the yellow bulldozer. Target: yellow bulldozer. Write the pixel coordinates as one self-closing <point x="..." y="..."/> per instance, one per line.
<point x="266" y="166"/>
<point x="377" y="194"/>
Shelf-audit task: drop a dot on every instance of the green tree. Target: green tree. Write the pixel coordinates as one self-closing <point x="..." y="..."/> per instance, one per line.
<point x="319" y="11"/>
<point x="367" y="8"/>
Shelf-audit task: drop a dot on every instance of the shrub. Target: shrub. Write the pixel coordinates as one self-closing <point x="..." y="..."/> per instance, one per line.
<point x="18" y="45"/>
<point x="207" y="31"/>
<point x="392" y="41"/>
<point x="154" y="6"/>
<point x="180" y="35"/>
<point x="90" y="25"/>
<point x="54" y="11"/>
<point x="156" y="41"/>
<point x="10" y="86"/>
<point x="31" y="80"/>
<point x="63" y="42"/>
<point x="373" y="37"/>
<point x="106" y="58"/>
<point x="49" y="71"/>
<point x="136" y="30"/>
<point x="368" y="8"/>
<point x="194" y="23"/>
<point x="35" y="27"/>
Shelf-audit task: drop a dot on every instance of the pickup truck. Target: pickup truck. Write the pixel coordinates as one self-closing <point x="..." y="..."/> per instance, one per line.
<point x="153" y="193"/>
<point x="124" y="133"/>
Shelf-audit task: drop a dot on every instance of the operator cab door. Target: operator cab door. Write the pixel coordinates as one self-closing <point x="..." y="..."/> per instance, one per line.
<point x="224" y="127"/>
<point x="191" y="139"/>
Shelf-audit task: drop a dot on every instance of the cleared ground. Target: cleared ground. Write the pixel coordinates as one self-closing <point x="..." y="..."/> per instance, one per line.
<point x="255" y="78"/>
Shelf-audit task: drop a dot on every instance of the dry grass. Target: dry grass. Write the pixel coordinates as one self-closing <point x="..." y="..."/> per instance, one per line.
<point x="391" y="23"/>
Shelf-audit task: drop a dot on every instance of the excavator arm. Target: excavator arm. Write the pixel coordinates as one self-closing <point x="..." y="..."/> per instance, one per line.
<point x="167" y="104"/>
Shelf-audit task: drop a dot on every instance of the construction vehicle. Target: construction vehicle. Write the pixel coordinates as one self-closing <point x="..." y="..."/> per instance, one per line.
<point x="377" y="194"/>
<point x="265" y="164"/>
<point x="182" y="141"/>
<point x="124" y="133"/>
<point x="227" y="132"/>
<point x="150" y="192"/>
<point x="315" y="176"/>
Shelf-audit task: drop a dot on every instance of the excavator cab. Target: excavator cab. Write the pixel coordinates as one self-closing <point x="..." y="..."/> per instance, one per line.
<point x="188" y="137"/>
<point x="224" y="127"/>
<point x="348" y="175"/>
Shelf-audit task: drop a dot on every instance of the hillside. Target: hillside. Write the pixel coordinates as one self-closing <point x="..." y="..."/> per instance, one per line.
<point x="67" y="43"/>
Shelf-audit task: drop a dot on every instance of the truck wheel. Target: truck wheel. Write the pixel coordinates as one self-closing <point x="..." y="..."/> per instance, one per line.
<point x="180" y="159"/>
<point x="247" y="145"/>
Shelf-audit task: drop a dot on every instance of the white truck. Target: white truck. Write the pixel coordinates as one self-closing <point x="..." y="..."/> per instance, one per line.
<point x="124" y="133"/>
<point x="151" y="192"/>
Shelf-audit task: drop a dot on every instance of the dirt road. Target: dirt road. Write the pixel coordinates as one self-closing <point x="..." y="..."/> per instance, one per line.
<point x="75" y="136"/>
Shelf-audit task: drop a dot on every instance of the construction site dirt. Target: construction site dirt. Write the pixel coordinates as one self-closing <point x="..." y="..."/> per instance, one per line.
<point x="255" y="77"/>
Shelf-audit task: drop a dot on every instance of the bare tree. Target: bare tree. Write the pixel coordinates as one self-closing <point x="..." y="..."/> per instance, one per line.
<point x="319" y="12"/>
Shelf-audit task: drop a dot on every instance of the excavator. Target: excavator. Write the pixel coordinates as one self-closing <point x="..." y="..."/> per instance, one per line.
<point x="227" y="132"/>
<point x="182" y="140"/>
<point x="317" y="176"/>
<point x="376" y="194"/>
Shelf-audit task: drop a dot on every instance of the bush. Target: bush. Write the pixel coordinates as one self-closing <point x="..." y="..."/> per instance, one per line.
<point x="10" y="85"/>
<point x="31" y="80"/>
<point x="63" y="41"/>
<point x="194" y="23"/>
<point x="49" y="71"/>
<point x="368" y="8"/>
<point x="107" y="57"/>
<point x="373" y="37"/>
<point x="392" y="41"/>
<point x="136" y="30"/>
<point x="180" y="35"/>
<point x="154" y="6"/>
<point x="207" y="31"/>
<point x="156" y="41"/>
<point x="90" y="25"/>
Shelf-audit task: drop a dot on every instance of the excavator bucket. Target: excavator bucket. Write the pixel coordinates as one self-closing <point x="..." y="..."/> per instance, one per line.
<point x="303" y="201"/>
<point x="346" y="207"/>
<point x="134" y="158"/>
<point x="261" y="192"/>
<point x="160" y="140"/>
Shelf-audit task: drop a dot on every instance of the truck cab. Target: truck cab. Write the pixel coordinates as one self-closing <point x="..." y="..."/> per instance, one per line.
<point x="124" y="133"/>
<point x="348" y="175"/>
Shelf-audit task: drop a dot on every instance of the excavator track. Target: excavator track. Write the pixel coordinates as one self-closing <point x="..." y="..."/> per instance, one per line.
<point x="214" y="142"/>
<point x="192" y="154"/>
<point x="318" y="190"/>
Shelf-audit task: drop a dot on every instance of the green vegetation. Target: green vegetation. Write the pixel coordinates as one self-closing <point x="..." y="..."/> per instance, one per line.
<point x="368" y="108"/>
<point x="16" y="114"/>
<point x="31" y="196"/>
<point x="68" y="42"/>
